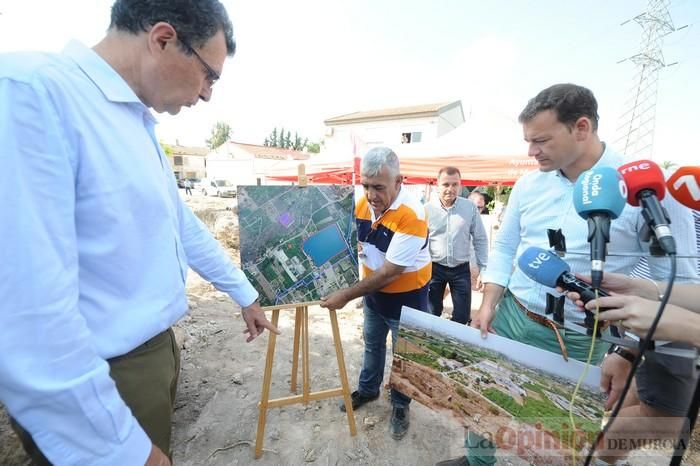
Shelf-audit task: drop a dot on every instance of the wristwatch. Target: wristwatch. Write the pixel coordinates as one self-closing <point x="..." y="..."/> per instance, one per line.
<point x="628" y="355"/>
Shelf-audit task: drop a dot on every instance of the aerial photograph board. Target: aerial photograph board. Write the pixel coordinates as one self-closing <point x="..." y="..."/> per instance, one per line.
<point x="297" y="243"/>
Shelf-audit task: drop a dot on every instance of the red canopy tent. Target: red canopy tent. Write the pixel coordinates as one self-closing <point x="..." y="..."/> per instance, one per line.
<point x="476" y="170"/>
<point x="486" y="150"/>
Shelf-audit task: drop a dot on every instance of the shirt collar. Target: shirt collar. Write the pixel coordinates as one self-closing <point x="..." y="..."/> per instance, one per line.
<point x="607" y="158"/>
<point x="438" y="203"/>
<point x="112" y="85"/>
<point x="398" y="201"/>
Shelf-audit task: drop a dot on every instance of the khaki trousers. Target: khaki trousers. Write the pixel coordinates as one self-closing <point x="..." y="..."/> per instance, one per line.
<point x="146" y="379"/>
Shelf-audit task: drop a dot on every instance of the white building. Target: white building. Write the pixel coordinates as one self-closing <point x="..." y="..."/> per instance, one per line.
<point x="187" y="162"/>
<point x="249" y="164"/>
<point x="391" y="127"/>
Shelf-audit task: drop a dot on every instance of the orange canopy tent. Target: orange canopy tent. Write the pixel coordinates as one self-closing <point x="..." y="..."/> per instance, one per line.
<point x="476" y="170"/>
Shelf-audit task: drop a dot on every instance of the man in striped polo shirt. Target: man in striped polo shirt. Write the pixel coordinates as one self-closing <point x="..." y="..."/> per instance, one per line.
<point x="393" y="232"/>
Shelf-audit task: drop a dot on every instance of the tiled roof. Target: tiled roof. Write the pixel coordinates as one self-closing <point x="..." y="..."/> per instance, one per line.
<point x="186" y="150"/>
<point x="398" y="112"/>
<point x="273" y="153"/>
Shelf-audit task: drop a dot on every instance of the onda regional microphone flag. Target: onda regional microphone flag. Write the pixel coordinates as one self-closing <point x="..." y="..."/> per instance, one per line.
<point x="599" y="196"/>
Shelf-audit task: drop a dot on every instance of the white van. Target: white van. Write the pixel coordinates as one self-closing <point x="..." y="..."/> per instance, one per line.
<point x="216" y="187"/>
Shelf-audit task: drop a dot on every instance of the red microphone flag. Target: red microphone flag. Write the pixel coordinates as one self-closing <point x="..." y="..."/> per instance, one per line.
<point x="684" y="186"/>
<point x="641" y="175"/>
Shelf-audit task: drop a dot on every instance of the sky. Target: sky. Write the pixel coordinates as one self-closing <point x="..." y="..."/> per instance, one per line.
<point x="301" y="62"/>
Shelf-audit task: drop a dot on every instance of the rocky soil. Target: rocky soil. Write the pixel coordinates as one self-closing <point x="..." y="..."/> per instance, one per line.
<point x="216" y="408"/>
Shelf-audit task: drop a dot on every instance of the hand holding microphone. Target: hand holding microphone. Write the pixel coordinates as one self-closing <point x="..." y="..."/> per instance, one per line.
<point x="599" y="196"/>
<point x="634" y="305"/>
<point x="616" y="283"/>
<point x="550" y="270"/>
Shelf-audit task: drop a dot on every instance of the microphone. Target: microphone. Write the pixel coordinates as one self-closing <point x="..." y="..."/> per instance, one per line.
<point x="646" y="186"/>
<point x="599" y="196"/>
<point x="550" y="270"/>
<point x="684" y="186"/>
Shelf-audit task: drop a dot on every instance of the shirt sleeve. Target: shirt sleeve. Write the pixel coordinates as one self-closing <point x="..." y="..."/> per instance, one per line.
<point x="683" y="229"/>
<point x="502" y="257"/>
<point x="408" y="240"/>
<point x="206" y="257"/>
<point x="479" y="240"/>
<point x="51" y="379"/>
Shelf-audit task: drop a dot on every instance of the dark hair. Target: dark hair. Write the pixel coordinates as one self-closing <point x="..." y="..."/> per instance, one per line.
<point x="449" y="171"/>
<point x="569" y="101"/>
<point x="196" y="21"/>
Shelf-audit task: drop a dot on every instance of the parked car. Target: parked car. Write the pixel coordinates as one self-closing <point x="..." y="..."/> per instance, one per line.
<point x="216" y="187"/>
<point x="181" y="183"/>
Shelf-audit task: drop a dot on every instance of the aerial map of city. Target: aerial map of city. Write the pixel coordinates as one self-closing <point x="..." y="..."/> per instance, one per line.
<point x="297" y="244"/>
<point x="521" y="408"/>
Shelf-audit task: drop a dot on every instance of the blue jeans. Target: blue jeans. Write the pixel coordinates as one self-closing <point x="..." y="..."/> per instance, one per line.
<point x="376" y="327"/>
<point x="460" y="283"/>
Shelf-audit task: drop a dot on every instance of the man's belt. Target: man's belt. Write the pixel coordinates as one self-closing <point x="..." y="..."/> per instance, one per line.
<point x="545" y="322"/>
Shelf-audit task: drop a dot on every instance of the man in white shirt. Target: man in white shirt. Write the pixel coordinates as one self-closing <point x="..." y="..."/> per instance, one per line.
<point x="454" y="225"/>
<point x="97" y="241"/>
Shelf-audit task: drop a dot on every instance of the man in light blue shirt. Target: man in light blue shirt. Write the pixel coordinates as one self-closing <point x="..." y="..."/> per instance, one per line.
<point x="96" y="241"/>
<point x="560" y="126"/>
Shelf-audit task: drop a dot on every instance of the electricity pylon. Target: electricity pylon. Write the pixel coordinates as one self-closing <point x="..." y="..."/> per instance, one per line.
<point x="636" y="132"/>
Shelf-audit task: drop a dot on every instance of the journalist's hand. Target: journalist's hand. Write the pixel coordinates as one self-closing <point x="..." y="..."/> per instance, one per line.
<point x="637" y="314"/>
<point x="614" y="283"/>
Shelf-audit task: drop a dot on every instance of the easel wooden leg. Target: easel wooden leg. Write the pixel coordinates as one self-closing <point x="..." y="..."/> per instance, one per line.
<point x="295" y="352"/>
<point x="305" y="354"/>
<point x="343" y="374"/>
<point x="301" y="341"/>
<point x="267" y="379"/>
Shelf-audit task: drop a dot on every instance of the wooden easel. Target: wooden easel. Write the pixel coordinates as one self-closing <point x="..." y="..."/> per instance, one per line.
<point x="301" y="338"/>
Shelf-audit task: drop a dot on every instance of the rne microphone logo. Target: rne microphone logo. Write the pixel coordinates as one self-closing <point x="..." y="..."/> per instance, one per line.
<point x="634" y="168"/>
<point x="623" y="188"/>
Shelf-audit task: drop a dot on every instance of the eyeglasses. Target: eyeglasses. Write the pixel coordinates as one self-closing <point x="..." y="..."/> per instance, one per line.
<point x="212" y="76"/>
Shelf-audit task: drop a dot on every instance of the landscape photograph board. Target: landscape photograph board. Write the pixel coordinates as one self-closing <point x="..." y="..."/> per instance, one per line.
<point x="514" y="396"/>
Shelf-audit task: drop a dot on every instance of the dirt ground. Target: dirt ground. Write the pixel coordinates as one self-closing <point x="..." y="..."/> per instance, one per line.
<point x="216" y="407"/>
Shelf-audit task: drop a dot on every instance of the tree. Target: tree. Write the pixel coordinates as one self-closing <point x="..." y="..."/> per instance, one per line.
<point x="167" y="149"/>
<point x="283" y="139"/>
<point x="220" y="133"/>
<point x="314" y="147"/>
<point x="667" y="164"/>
